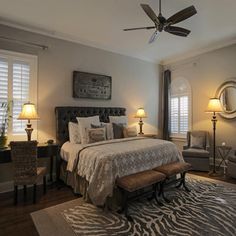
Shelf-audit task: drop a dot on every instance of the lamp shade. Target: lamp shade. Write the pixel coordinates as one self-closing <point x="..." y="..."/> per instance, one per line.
<point x="28" y="112"/>
<point x="214" y="105"/>
<point x="140" y="113"/>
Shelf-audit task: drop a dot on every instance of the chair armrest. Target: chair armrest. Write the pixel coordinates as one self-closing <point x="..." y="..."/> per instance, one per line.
<point x="208" y="148"/>
<point x="185" y="147"/>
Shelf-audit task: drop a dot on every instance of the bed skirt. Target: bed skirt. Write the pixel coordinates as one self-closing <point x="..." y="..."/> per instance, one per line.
<point x="80" y="185"/>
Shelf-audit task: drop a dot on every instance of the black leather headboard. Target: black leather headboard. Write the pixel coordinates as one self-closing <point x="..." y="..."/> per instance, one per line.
<point x="66" y="114"/>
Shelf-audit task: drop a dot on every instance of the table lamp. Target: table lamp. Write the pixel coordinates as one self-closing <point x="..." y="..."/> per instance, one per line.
<point x="214" y="106"/>
<point x="28" y="113"/>
<point x="140" y="114"/>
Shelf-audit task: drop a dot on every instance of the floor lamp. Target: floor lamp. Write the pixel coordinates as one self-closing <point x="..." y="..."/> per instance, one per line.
<point x="214" y="106"/>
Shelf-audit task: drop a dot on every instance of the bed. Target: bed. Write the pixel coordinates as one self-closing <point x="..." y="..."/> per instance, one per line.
<point x="92" y="169"/>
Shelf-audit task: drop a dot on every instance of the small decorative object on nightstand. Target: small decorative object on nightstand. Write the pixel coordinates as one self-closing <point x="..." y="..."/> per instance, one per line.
<point x="214" y="106"/>
<point x="140" y="114"/>
<point x="28" y="113"/>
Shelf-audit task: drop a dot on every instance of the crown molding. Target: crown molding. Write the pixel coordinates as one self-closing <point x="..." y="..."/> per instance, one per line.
<point x="197" y="52"/>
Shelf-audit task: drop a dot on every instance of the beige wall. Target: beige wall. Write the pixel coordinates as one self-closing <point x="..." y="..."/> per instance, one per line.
<point x="205" y="74"/>
<point x="135" y="83"/>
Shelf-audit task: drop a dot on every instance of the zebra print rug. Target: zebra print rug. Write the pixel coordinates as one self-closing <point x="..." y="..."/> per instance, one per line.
<point x="210" y="209"/>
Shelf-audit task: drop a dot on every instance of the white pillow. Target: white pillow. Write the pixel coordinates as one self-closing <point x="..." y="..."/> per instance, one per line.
<point x="119" y="120"/>
<point x="74" y="133"/>
<point x="85" y="123"/>
<point x="109" y="130"/>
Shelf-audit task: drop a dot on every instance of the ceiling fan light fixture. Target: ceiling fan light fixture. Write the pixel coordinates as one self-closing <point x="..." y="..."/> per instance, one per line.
<point x="161" y="23"/>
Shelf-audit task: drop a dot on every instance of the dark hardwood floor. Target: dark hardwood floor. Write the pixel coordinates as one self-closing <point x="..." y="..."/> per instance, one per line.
<point x="221" y="177"/>
<point x="16" y="220"/>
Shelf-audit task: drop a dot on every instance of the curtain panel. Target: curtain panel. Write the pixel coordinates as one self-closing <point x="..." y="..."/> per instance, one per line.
<point x="166" y="97"/>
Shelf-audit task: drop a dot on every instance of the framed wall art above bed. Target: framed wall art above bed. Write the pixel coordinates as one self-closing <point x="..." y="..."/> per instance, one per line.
<point x="91" y="86"/>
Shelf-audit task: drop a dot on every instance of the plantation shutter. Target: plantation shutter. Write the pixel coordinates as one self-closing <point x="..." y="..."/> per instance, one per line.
<point x="20" y="93"/>
<point x="183" y="115"/>
<point x="174" y="115"/>
<point x="179" y="115"/>
<point x="3" y="86"/>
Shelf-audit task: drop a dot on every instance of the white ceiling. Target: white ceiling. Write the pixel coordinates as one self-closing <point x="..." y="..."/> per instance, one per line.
<point x="99" y="23"/>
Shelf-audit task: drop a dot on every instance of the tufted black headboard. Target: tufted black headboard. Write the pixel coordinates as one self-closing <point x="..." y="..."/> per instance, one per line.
<point x="66" y="114"/>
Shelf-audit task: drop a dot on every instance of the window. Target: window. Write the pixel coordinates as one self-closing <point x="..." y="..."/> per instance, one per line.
<point x="18" y="84"/>
<point x="180" y="109"/>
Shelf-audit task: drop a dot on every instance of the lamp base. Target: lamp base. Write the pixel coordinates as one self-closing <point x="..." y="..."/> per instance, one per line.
<point x="29" y="131"/>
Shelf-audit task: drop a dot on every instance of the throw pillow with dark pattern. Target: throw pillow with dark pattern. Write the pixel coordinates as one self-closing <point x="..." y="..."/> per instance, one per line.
<point x="96" y="135"/>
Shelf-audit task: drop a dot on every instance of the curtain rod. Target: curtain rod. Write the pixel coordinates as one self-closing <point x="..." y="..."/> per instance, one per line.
<point x="43" y="47"/>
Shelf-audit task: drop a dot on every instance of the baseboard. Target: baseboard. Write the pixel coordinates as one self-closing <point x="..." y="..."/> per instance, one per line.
<point x="8" y="185"/>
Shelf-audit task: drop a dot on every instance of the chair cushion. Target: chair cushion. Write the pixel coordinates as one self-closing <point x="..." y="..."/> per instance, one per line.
<point x="140" y="180"/>
<point x="232" y="158"/>
<point x="173" y="168"/>
<point x="193" y="152"/>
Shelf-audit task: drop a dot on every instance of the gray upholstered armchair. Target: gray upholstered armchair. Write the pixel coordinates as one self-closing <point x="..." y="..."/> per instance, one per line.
<point x="196" y="152"/>
<point x="231" y="170"/>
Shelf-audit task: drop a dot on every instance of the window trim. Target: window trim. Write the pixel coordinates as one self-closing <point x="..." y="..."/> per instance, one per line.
<point x="189" y="95"/>
<point x="33" y="90"/>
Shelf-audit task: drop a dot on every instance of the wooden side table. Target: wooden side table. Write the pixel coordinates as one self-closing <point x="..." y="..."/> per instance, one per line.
<point x="223" y="153"/>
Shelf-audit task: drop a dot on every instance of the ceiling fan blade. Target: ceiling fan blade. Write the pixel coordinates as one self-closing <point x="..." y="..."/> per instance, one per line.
<point x="153" y="37"/>
<point x="182" y="15"/>
<point x="177" y="31"/>
<point x="139" y="28"/>
<point x="148" y="10"/>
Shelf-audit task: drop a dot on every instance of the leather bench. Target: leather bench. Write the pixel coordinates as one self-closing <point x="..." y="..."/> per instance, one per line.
<point x="134" y="182"/>
<point x="172" y="169"/>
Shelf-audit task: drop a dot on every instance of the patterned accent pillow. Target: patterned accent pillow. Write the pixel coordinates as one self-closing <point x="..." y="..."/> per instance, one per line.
<point x="85" y="123"/>
<point x="96" y="135"/>
<point x="109" y="129"/>
<point x="129" y="132"/>
<point x="74" y="134"/>
<point x="197" y="142"/>
<point x="118" y="130"/>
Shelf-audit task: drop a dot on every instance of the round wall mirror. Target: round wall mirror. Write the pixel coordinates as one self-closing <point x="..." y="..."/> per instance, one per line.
<point x="227" y="95"/>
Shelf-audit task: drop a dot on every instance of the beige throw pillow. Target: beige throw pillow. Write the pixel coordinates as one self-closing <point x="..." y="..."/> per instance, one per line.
<point x="96" y="135"/>
<point x="74" y="134"/>
<point x="129" y="132"/>
<point x="197" y="142"/>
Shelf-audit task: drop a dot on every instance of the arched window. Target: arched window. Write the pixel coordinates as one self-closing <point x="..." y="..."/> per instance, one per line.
<point x="180" y="107"/>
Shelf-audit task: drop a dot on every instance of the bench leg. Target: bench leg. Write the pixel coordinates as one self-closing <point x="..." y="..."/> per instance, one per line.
<point x="183" y="183"/>
<point x="155" y="190"/>
<point x="161" y="192"/>
<point x="124" y="207"/>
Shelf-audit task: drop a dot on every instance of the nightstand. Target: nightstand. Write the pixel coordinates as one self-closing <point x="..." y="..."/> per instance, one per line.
<point x="148" y="135"/>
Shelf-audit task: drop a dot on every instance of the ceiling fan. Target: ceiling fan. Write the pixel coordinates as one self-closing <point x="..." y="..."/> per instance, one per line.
<point x="161" y="23"/>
